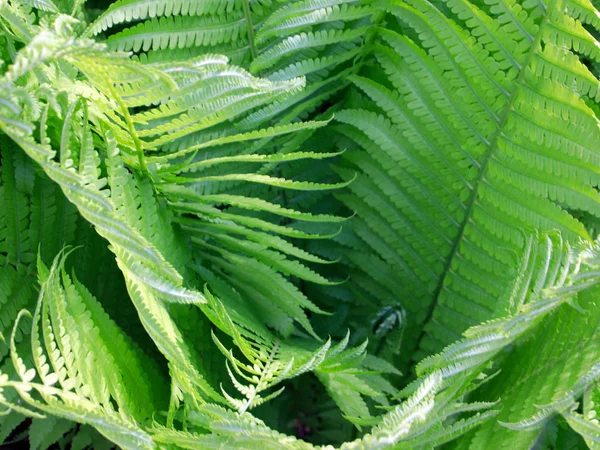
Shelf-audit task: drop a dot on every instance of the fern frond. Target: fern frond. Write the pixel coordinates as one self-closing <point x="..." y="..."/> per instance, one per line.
<point x="478" y="128"/>
<point x="83" y="395"/>
<point x="589" y="429"/>
<point x="447" y="377"/>
<point x="128" y="216"/>
<point x="177" y="120"/>
<point x="310" y="38"/>
<point x="132" y="10"/>
<point x="148" y="274"/>
<point x="301" y="42"/>
<point x="275" y="174"/>
<point x="177" y="32"/>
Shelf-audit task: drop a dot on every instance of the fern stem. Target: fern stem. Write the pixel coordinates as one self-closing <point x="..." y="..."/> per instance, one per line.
<point x="130" y="127"/>
<point x="248" y="18"/>
<point x="493" y="143"/>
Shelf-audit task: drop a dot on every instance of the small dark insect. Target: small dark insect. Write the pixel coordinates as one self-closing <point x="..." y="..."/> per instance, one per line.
<point x="387" y="319"/>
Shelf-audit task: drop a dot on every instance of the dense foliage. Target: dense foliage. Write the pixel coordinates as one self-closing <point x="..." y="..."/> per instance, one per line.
<point x="297" y="224"/>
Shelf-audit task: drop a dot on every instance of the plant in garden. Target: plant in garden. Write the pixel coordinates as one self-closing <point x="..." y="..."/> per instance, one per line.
<point x="299" y="224"/>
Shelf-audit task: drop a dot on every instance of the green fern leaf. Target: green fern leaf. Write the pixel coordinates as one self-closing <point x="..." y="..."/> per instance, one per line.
<point x="465" y="144"/>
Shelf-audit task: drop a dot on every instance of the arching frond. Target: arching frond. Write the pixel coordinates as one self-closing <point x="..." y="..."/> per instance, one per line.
<point x="299" y="224"/>
<point x="477" y="127"/>
<point x="78" y="387"/>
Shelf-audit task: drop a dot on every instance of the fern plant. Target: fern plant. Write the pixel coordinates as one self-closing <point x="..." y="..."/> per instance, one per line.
<point x="495" y="131"/>
<point x="299" y="224"/>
